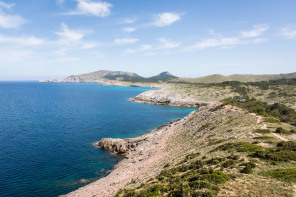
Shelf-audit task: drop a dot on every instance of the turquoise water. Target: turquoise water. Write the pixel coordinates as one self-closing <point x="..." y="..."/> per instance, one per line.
<point x="47" y="131"/>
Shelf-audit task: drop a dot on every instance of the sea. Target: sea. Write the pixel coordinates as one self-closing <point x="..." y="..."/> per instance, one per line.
<point x="47" y="131"/>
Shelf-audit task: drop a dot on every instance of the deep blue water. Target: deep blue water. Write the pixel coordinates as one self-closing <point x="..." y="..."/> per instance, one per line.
<point x="47" y="131"/>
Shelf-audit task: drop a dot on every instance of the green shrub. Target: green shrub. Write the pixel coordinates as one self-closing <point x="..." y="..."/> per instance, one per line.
<point x="192" y="156"/>
<point x="277" y="110"/>
<point x="289" y="145"/>
<point x="285" y="151"/>
<point x="271" y="120"/>
<point x="264" y="138"/>
<point x="240" y="147"/>
<point x="262" y="131"/>
<point x="215" y="177"/>
<point x="229" y="163"/>
<point x="280" y="130"/>
<point x="286" y="174"/>
<point x="248" y="169"/>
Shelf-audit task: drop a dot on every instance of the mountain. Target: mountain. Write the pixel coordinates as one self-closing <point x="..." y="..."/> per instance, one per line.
<point x="163" y="75"/>
<point x="98" y="76"/>
<point x="106" y="75"/>
<point x="216" y="78"/>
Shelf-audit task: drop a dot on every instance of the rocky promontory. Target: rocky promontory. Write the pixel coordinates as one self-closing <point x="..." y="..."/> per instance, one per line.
<point x="168" y="97"/>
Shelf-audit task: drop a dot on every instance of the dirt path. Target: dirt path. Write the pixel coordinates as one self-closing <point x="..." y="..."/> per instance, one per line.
<point x="260" y="120"/>
<point x="280" y="137"/>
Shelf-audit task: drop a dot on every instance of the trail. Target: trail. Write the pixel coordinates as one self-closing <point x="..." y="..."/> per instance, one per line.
<point x="260" y="120"/>
<point x="280" y="137"/>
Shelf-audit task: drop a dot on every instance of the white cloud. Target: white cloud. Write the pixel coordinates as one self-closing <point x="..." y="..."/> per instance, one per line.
<point x="10" y="21"/>
<point x="257" y="31"/>
<point x="288" y="33"/>
<point x="26" y="41"/>
<point x="219" y="42"/>
<point x="129" y="29"/>
<point x="128" y="20"/>
<point x="167" y="44"/>
<point x="149" y="50"/>
<point x="145" y="47"/>
<point x="5" y="5"/>
<point x="166" y="19"/>
<point x="95" y="8"/>
<point x="67" y="35"/>
<point x="126" y="40"/>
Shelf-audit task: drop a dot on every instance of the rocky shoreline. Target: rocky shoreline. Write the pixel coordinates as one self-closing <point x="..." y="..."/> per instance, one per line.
<point x="142" y="154"/>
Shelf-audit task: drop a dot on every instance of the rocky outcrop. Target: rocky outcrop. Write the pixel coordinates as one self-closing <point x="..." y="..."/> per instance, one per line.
<point x="116" y="146"/>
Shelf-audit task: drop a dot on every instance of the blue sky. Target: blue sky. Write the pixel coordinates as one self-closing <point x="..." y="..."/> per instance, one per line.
<point x="57" y="38"/>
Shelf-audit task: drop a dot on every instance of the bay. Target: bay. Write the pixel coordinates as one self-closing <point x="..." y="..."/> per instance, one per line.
<point x="47" y="131"/>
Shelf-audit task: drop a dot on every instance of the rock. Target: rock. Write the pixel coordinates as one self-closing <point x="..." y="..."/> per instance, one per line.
<point x="113" y="145"/>
<point x="117" y="146"/>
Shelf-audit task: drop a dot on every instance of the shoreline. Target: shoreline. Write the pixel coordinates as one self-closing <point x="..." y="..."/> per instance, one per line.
<point x="148" y="154"/>
<point x="140" y="152"/>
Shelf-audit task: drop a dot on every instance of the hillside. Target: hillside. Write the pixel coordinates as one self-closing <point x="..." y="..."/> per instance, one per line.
<point x="214" y="151"/>
<point x="108" y="76"/>
<point x="216" y="78"/>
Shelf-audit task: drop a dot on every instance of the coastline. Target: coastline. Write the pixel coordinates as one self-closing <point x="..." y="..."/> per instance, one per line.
<point x="143" y="153"/>
<point x="150" y="153"/>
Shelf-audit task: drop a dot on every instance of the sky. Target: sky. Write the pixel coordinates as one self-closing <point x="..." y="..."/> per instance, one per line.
<point x="46" y="39"/>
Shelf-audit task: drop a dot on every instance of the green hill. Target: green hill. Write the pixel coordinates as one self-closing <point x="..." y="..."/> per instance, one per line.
<point x="216" y="78"/>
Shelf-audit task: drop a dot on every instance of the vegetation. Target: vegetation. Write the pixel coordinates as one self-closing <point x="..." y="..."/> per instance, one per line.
<point x="286" y="174"/>
<point x="193" y="179"/>
<point x="285" y="151"/>
<point x="239" y="147"/>
<point x="280" y="111"/>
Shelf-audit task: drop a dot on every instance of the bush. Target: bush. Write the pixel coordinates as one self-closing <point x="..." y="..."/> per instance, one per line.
<point x="248" y="168"/>
<point x="277" y="110"/>
<point x="280" y="130"/>
<point x="262" y="131"/>
<point x="264" y="138"/>
<point x="286" y="174"/>
<point x="285" y="151"/>
<point x="229" y="163"/>
<point x="240" y="147"/>
<point x="215" y="177"/>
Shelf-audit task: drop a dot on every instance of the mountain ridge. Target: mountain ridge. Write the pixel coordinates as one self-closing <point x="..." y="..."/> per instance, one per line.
<point x="107" y="75"/>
